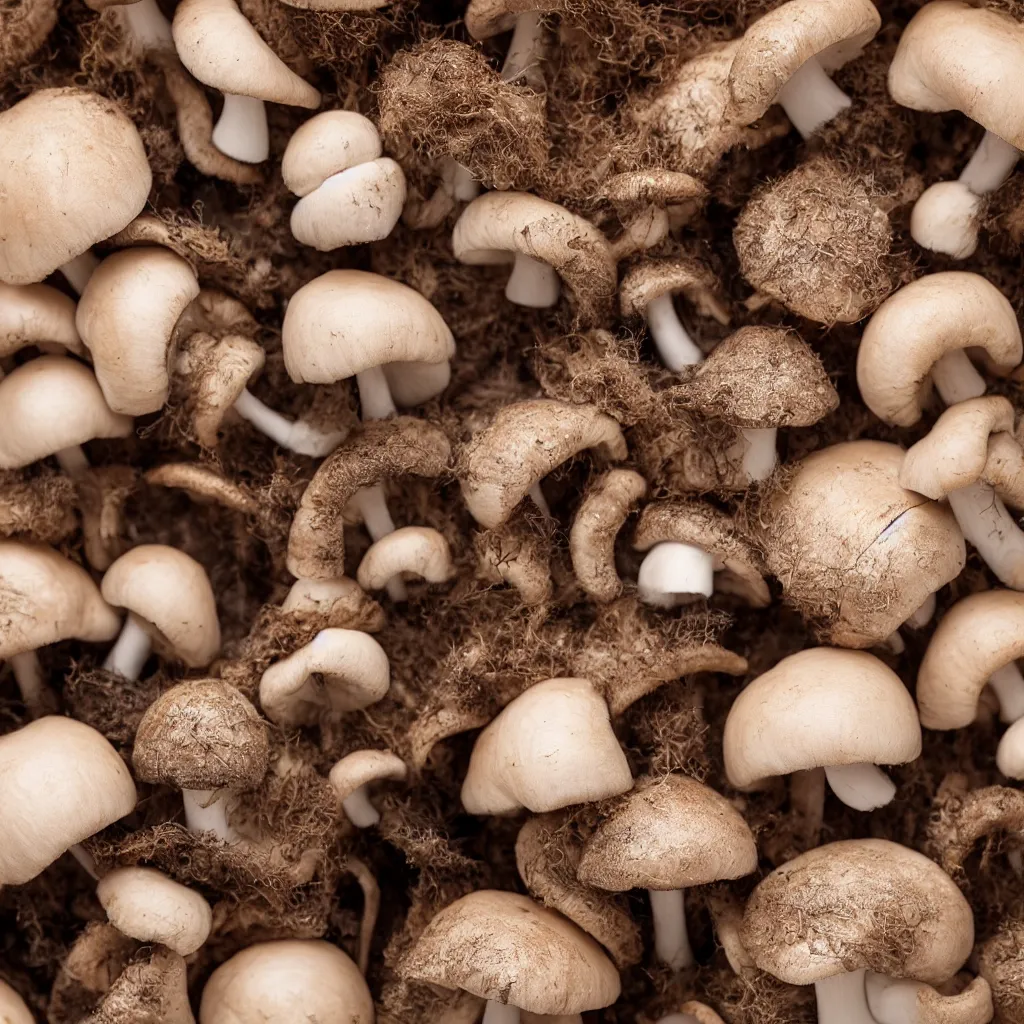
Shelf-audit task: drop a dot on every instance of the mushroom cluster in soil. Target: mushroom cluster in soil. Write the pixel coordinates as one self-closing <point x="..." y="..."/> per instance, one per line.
<point x="510" y="512"/>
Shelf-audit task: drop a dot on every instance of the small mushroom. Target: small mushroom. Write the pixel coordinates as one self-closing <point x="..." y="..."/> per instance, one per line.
<point x="354" y="773"/>
<point x="338" y="602"/>
<point x="12" y="1007"/>
<point x="410" y="551"/>
<point x="36" y="314"/>
<point x="485" y="19"/>
<point x="644" y="200"/>
<point x="898" y="1001"/>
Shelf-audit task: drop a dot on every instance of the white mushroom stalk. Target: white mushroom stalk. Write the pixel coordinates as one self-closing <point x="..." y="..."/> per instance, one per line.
<point x="500" y="1013"/>
<point x="989" y="526"/>
<point x="864" y="787"/>
<point x="241" y="131"/>
<point x="297" y="436"/>
<point x="129" y="653"/>
<point x="1008" y="685"/>
<point x="810" y="98"/>
<point x="843" y="999"/>
<point x="672" y="574"/>
<point x="359" y="810"/>
<point x="146" y="25"/>
<point x="206" y="811"/>
<point x="671" y="939"/>
<point x="956" y="379"/>
<point x="78" y="271"/>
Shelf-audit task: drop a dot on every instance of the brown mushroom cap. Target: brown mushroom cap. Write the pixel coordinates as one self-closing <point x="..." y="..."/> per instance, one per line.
<point x="1001" y="964"/>
<point x="362" y="767"/>
<point x="668" y="833"/>
<point x="648" y="279"/>
<point x="73" y="172"/>
<point x="152" y="989"/>
<point x="31" y="314"/>
<point x="660" y="187"/>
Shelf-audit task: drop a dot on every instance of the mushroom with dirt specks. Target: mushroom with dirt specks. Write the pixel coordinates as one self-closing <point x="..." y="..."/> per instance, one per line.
<point x="354" y="773"/>
<point x="1001" y="963"/>
<point x="152" y="989"/>
<point x="416" y="551"/>
<point x="644" y="200"/>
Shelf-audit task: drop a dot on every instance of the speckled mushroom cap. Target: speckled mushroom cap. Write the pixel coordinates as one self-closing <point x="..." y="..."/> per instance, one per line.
<point x="855" y="552"/>
<point x="953" y="56"/>
<point x="668" y="833"/>
<point x="919" y="324"/>
<point x="862" y="903"/>
<point x="522" y="444"/>
<point x="979" y="634"/>
<point x="73" y="171"/>
<point x="648" y="279"/>
<point x="416" y="551"/>
<point x="739" y="568"/>
<point x="660" y="187"/>
<point x="819" y="708"/>
<point x="362" y="767"/>
<point x="29" y="396"/>
<point x="776" y="46"/>
<point x="505" y="947"/>
<point x="12" y="1007"/>
<point x="35" y="313"/>
<point x="202" y="734"/>
<point x="170" y="594"/>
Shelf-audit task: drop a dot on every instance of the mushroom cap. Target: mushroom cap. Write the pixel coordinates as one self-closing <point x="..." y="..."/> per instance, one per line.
<point x="335" y="602"/>
<point x="202" y="734"/>
<point x="979" y="634"/>
<point x="60" y="782"/>
<point x="919" y="324"/>
<point x="660" y="187"/>
<point x="510" y="949"/>
<point x="327" y="144"/>
<point x="354" y="670"/>
<point x="145" y="904"/>
<point x="668" y="833"/>
<point x="416" y="550"/>
<point x="127" y="316"/>
<point x="12" y="1007"/>
<point x="73" y="171"/>
<point x="861" y="903"/>
<point x="1010" y="752"/>
<point x="34" y="313"/>
<point x="33" y="392"/>
<point x="364" y="766"/>
<point x="776" y="46"/>
<point x="171" y="593"/>
<point x="221" y="48"/>
<point x="518" y="222"/>
<point x="346" y="321"/>
<point x="486" y="18"/>
<point x="953" y="56"/>
<point x="47" y="598"/>
<point x="819" y="708"/>
<point x="649" y="278"/>
<point x="551" y="747"/>
<point x="203" y="485"/>
<point x="281" y="982"/>
<point x="522" y="444"/>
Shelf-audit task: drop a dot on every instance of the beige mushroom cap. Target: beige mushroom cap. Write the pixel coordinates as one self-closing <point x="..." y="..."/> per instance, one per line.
<point x="31" y="314"/>
<point x="12" y="1007"/>
<point x="221" y="48"/>
<point x="33" y="392"/>
<point x="660" y="187"/>
<point x="819" y="708"/>
<point x="522" y="444"/>
<point x="953" y="56"/>
<point x="977" y="636"/>
<point x="413" y="550"/>
<point x="73" y="171"/>
<point x="60" y="782"/>
<point x="776" y="46"/>
<point x="1010" y="752"/>
<point x="919" y="324"/>
<point x="127" y="316"/>
<point x="862" y="903"/>
<point x="649" y="278"/>
<point x="668" y="833"/>
<point x="47" y="598"/>
<point x="281" y="982"/>
<point x="362" y="767"/>
<point x="326" y="144"/>
<point x="551" y="747"/>
<point x="505" y="947"/>
<point x="145" y="904"/>
<point x="336" y="602"/>
<point x="203" y="485"/>
<point x="171" y="593"/>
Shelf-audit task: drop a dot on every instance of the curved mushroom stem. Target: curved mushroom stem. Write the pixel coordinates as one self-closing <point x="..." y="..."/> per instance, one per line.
<point x="145" y="23"/>
<point x="206" y="811"/>
<point x="672" y="574"/>
<point x="810" y="98"/>
<point x="843" y="1000"/>
<point x="78" y="271"/>
<point x="759" y="454"/>
<point x="73" y="461"/>
<point x="671" y="940"/>
<point x="371" y="908"/>
<point x="459" y="181"/>
<point x="500" y="1013"/>
<point x="297" y="436"/>
<point x="864" y="787"/>
<point x="987" y="524"/>
<point x="537" y="497"/>
<point x="673" y="342"/>
<point x="524" y="51"/>
<point x="532" y="283"/>
<point x="241" y="131"/>
<point x="956" y="379"/>
<point x="131" y="650"/>
<point x="37" y="697"/>
<point x="920" y="618"/>
<point x="893" y="643"/>
<point x="1008" y="685"/>
<point x="360" y="811"/>
<point x="892" y="1000"/>
<point x="86" y="859"/>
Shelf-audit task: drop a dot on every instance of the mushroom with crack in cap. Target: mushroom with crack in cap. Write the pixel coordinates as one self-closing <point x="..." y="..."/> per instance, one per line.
<point x="150" y="990"/>
<point x="352" y="776"/>
<point x="349" y="192"/>
<point x="832" y="914"/>
<point x="954" y="56"/>
<point x="12" y="1007"/>
<point x="222" y="49"/>
<point x="647" y="202"/>
<point x="204" y="738"/>
<point x="516" y="954"/>
<point x="668" y="835"/>
<point x="36" y="314"/>
<point x="73" y="172"/>
<point x="417" y="551"/>
<point x="899" y="1001"/>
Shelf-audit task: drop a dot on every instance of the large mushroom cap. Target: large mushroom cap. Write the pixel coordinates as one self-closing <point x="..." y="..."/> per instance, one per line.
<point x="34" y="313"/>
<point x="819" y="708"/>
<point x="668" y="833"/>
<point x="60" y="782"/>
<point x="73" y="171"/>
<point x="863" y="903"/>
<point x="506" y="947"/>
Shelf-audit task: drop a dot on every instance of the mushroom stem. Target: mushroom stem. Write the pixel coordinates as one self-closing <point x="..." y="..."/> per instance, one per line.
<point x="73" y="461"/>
<point x="297" y="436"/>
<point x="459" y="181"/>
<point x="206" y="811"/>
<point x="672" y="340"/>
<point x="759" y="455"/>
<point x="810" y="98"/>
<point x="241" y="131"/>
<point x="500" y="1013"/>
<point x="360" y="811"/>
<point x="35" y="694"/>
<point x="672" y="574"/>
<point x="671" y="941"/>
<point x="371" y="908"/>
<point x="373" y="507"/>
<point x="843" y="1000"/>
<point x="992" y="163"/>
<point x="524" y="50"/>
<point x="131" y="650"/>
<point x="956" y="379"/>
<point x="920" y="618"/>
<point x="864" y="787"/>
<point x="85" y="858"/>
<point x="532" y="283"/>
<point x="1008" y="685"/>
<point x="374" y="394"/>
<point x="145" y="23"/>
<point x="988" y="525"/>
<point x="78" y="271"/>
<point x="537" y="496"/>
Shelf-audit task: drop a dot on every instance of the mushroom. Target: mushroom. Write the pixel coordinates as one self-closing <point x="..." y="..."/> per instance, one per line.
<point x="551" y="747"/>
<point x="844" y="711"/>
<point x="646" y="201"/>
<point x="546" y="243"/>
<point x="349" y="191"/>
<point x="514" y="953"/>
<point x="919" y="336"/>
<point x="73" y="172"/>
<point x="60" y="782"/>
<point x="487" y="18"/>
<point x="953" y="56"/>
<point x="829" y="915"/>
<point x="517" y="553"/>
<point x="220" y="47"/>
<point x="786" y="56"/>
<point x="36" y="314"/>
<point x="12" y="1007"/>
<point x="898" y="1001"/>
<point x="1010" y="753"/>
<point x="203" y="485"/>
<point x="204" y="738"/>
<point x="338" y="670"/>
<point x="1001" y="963"/>
<point x="277" y="982"/>
<point x="410" y="551"/>
<point x="524" y="442"/>
<point x="151" y="989"/>
<point x="665" y="836"/>
<point x="352" y="776"/>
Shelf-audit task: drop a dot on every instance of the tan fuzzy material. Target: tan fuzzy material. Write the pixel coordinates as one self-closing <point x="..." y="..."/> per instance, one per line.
<point x="203" y="484"/>
<point x="95" y="961"/>
<point x="658" y="187"/>
<point x="961" y="819"/>
<point x="517" y="553"/>
<point x="24" y="26"/>
<point x="149" y="991"/>
<point x="1002" y="965"/>
<point x="102" y="494"/>
<point x="38" y="508"/>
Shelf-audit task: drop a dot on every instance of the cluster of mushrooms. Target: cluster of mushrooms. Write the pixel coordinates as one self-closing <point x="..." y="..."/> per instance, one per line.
<point x="516" y="517"/>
